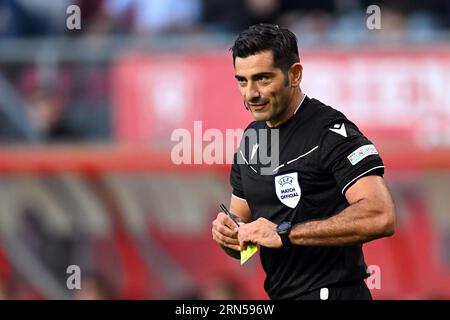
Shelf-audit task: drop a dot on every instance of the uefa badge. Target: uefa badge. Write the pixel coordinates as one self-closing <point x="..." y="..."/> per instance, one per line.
<point x="288" y="189"/>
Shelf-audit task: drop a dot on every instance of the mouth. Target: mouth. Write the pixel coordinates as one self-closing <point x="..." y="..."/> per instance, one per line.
<point x="257" y="106"/>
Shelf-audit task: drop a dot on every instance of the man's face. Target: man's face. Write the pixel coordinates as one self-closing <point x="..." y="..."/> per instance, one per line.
<point x="265" y="89"/>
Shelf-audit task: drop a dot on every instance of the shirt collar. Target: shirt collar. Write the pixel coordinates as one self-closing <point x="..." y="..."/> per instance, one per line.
<point x="304" y="96"/>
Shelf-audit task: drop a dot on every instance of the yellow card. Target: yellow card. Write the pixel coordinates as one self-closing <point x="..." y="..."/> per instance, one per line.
<point x="248" y="253"/>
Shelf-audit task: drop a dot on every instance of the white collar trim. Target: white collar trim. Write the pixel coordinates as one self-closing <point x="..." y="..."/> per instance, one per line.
<point x="304" y="96"/>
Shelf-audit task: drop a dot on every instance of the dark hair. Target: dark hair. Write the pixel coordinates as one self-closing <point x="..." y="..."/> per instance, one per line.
<point x="264" y="37"/>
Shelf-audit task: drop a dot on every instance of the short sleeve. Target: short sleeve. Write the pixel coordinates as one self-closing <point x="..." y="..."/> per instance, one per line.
<point x="235" y="179"/>
<point x="347" y="154"/>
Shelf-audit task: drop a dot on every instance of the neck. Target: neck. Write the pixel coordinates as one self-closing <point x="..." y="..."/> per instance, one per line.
<point x="297" y="97"/>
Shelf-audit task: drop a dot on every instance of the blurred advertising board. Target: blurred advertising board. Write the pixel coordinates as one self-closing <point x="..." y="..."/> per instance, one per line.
<point x="389" y="93"/>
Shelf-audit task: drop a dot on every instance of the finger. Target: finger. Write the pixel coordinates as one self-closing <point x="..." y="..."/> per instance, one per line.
<point x="242" y="240"/>
<point x="226" y="220"/>
<point x="234" y="247"/>
<point x="244" y="243"/>
<point x="223" y="239"/>
<point x="245" y="237"/>
<point x="224" y="229"/>
<point x="226" y="244"/>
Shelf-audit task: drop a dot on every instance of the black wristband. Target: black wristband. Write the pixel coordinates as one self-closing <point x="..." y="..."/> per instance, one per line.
<point x="283" y="230"/>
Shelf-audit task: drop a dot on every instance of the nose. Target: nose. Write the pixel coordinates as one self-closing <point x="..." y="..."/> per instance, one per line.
<point x="252" y="92"/>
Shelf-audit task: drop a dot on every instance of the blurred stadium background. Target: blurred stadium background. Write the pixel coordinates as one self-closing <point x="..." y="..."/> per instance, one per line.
<point x="86" y="118"/>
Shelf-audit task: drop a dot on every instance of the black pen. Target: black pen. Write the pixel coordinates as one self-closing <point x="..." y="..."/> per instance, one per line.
<point x="233" y="217"/>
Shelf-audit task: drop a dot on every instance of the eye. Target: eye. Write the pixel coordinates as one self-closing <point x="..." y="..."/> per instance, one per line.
<point x="242" y="82"/>
<point x="264" y="79"/>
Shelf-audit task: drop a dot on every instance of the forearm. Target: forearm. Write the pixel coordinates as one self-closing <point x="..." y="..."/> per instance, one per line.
<point x="356" y="224"/>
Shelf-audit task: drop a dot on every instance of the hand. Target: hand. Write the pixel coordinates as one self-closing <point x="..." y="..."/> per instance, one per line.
<point x="225" y="232"/>
<point x="262" y="232"/>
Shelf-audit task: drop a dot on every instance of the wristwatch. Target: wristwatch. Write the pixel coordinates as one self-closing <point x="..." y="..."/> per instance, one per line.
<point x="283" y="230"/>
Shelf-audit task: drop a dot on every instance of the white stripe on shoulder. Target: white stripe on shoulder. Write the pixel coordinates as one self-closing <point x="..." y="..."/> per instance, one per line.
<point x="377" y="167"/>
<point x="303" y="155"/>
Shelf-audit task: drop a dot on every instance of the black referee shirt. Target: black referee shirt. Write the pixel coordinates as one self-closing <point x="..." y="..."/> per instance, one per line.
<point x="321" y="154"/>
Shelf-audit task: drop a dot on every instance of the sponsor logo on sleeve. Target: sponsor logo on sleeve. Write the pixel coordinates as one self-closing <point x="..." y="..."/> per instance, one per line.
<point x="361" y="153"/>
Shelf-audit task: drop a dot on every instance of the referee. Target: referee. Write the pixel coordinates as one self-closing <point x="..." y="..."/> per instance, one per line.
<point x="326" y="196"/>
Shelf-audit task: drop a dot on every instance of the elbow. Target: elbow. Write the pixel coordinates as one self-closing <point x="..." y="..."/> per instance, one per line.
<point x="386" y="222"/>
<point x="388" y="228"/>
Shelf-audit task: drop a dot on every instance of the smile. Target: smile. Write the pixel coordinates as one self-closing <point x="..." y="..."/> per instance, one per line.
<point x="257" y="107"/>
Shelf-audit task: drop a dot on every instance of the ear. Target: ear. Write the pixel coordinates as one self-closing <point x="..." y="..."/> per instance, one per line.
<point x="295" y="74"/>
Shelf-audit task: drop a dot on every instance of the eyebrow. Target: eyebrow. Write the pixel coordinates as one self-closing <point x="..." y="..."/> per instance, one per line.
<point x="256" y="75"/>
